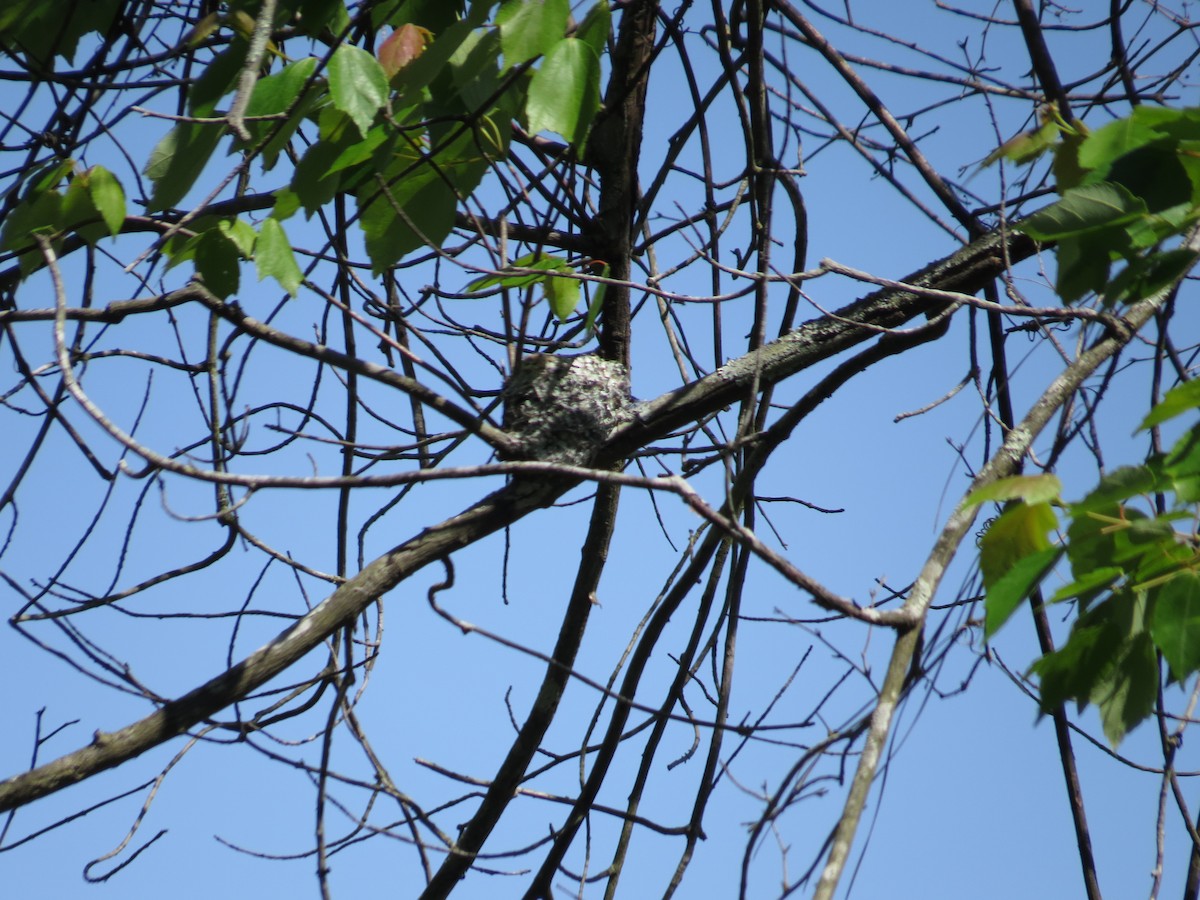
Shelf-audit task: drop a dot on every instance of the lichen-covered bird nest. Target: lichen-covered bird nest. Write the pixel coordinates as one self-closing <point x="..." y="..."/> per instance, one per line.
<point x="562" y="408"/>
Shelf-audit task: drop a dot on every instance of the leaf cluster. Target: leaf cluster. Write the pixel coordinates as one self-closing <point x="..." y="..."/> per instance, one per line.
<point x="1125" y="190"/>
<point x="1133" y="574"/>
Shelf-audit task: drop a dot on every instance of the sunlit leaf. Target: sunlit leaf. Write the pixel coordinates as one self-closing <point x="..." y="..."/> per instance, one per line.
<point x="108" y="197"/>
<point x="595" y="27"/>
<point x="530" y="28"/>
<point x="1175" y="623"/>
<point x="357" y="85"/>
<point x="1082" y="209"/>
<point x="565" y="91"/>
<point x="274" y="258"/>
<point x="1030" y="488"/>
<point x="1014" y="586"/>
<point x="563" y="296"/>
<point x="1018" y="532"/>
<point x="1178" y="400"/>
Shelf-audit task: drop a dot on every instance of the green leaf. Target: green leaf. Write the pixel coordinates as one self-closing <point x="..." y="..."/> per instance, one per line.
<point x="1089" y="207"/>
<point x="357" y="85"/>
<point x="1014" y="586"/>
<point x="1146" y="277"/>
<point x="1018" y="532"/>
<point x="286" y="204"/>
<point x="42" y="29"/>
<point x="1118" y="485"/>
<point x="1126" y="691"/>
<point x="565" y="92"/>
<point x="241" y="233"/>
<point x="274" y="258"/>
<point x="1083" y="263"/>
<point x="316" y="15"/>
<point x="1105" y="145"/>
<point x="218" y="78"/>
<point x="108" y="197"/>
<point x="1030" y="488"/>
<point x="530" y="28"/>
<point x="177" y="161"/>
<point x="1175" y="623"/>
<point x="599" y="289"/>
<point x="563" y="296"/>
<point x="1183" y="461"/>
<point x="417" y="75"/>
<point x="357" y="152"/>
<point x="1026" y="146"/>
<point x="216" y="258"/>
<point x="1090" y="585"/>
<point x="1178" y="400"/>
<point x="508" y="277"/>
<point x="1071" y="672"/>
<point x="275" y="95"/>
<point x="426" y="215"/>
<point x="39" y="212"/>
<point x="314" y="183"/>
<point x="595" y="27"/>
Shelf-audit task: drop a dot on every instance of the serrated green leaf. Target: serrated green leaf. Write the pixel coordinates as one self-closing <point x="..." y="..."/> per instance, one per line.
<point x="564" y="94"/>
<point x="37" y="213"/>
<point x="274" y="258"/>
<point x="1014" y="586"/>
<point x="1153" y="173"/>
<point x="218" y="78"/>
<point x="1084" y="209"/>
<point x="1178" y="400"/>
<point x="108" y="197"/>
<point x="286" y="204"/>
<point x="1030" y="488"/>
<point x="357" y="85"/>
<point x="313" y="182"/>
<point x="357" y="152"/>
<point x="530" y="28"/>
<point x="1175" y="623"/>
<point x="216" y="258"/>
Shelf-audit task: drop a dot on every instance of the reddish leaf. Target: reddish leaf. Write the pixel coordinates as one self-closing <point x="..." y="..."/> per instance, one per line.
<point x="404" y="45"/>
